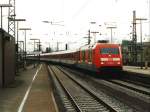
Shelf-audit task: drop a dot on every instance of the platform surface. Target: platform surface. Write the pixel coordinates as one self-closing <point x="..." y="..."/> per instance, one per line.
<point x="31" y="92"/>
<point x="135" y="69"/>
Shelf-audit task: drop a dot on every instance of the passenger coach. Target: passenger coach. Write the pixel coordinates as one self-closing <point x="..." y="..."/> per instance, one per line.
<point x="97" y="57"/>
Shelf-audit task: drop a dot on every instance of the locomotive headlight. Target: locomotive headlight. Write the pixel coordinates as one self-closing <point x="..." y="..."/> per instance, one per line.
<point x="118" y="63"/>
<point x="116" y="59"/>
<point x="104" y="59"/>
<point x="102" y="63"/>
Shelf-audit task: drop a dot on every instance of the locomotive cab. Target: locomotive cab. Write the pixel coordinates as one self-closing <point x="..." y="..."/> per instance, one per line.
<point x="108" y="57"/>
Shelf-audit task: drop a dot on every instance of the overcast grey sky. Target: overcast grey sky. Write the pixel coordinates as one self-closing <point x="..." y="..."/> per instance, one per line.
<point x="76" y="15"/>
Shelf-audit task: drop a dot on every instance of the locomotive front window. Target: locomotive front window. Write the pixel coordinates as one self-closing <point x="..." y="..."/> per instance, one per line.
<point x="109" y="51"/>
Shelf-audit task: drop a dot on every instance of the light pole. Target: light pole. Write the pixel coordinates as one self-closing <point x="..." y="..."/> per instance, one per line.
<point x="48" y="49"/>
<point x="89" y="36"/>
<point x="89" y="33"/>
<point x="22" y="42"/>
<point x="141" y="19"/>
<point x="68" y="45"/>
<point x="34" y="41"/>
<point x="100" y="30"/>
<point x="39" y="44"/>
<point x="25" y="29"/>
<point x="1" y="6"/>
<point x="34" y="46"/>
<point x="22" y="54"/>
<point x="58" y="43"/>
<point x="17" y="20"/>
<point x="111" y="27"/>
<point x="54" y="23"/>
<point x="94" y="33"/>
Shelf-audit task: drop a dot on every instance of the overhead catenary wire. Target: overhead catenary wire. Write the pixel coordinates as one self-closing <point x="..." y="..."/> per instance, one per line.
<point x="81" y="8"/>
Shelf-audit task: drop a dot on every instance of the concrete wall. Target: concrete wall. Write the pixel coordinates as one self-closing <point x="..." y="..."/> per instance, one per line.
<point x="7" y="58"/>
<point x="1" y="60"/>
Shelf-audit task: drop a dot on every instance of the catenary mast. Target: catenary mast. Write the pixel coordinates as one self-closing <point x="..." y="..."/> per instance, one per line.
<point x="11" y="14"/>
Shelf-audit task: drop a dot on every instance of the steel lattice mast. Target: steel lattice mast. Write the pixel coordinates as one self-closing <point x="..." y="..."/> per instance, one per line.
<point x="134" y="40"/>
<point x="11" y="14"/>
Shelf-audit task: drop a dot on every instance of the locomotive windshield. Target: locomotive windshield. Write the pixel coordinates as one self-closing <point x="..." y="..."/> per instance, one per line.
<point x="109" y="51"/>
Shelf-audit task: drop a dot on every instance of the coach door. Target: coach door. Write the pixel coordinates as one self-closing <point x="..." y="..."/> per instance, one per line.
<point x="83" y="56"/>
<point x="90" y="56"/>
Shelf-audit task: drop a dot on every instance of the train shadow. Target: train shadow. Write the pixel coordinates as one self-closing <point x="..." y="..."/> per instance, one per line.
<point x="107" y="75"/>
<point x="102" y="74"/>
<point x="116" y="74"/>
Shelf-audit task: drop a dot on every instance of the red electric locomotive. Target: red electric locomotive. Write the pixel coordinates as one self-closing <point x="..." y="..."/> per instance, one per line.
<point x="97" y="57"/>
<point x="101" y="56"/>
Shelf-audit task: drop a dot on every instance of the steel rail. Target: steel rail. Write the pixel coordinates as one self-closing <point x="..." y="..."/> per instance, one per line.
<point x="136" y="83"/>
<point x="90" y="92"/>
<point x="129" y="87"/>
<point x="138" y="104"/>
<point x="73" y="102"/>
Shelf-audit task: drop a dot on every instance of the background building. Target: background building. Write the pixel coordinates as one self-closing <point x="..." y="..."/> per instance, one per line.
<point x="143" y="52"/>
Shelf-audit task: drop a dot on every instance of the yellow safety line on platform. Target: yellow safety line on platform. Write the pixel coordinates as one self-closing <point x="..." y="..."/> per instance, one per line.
<point x="28" y="90"/>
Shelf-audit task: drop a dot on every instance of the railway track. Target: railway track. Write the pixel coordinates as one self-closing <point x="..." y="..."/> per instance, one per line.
<point x="137" y="83"/>
<point x="135" y="86"/>
<point x="130" y="92"/>
<point x="133" y="95"/>
<point x="138" y="79"/>
<point x="132" y="86"/>
<point x="83" y="98"/>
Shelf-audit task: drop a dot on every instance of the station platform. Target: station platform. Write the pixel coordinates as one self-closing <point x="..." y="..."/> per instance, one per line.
<point x="136" y="69"/>
<point x="31" y="92"/>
